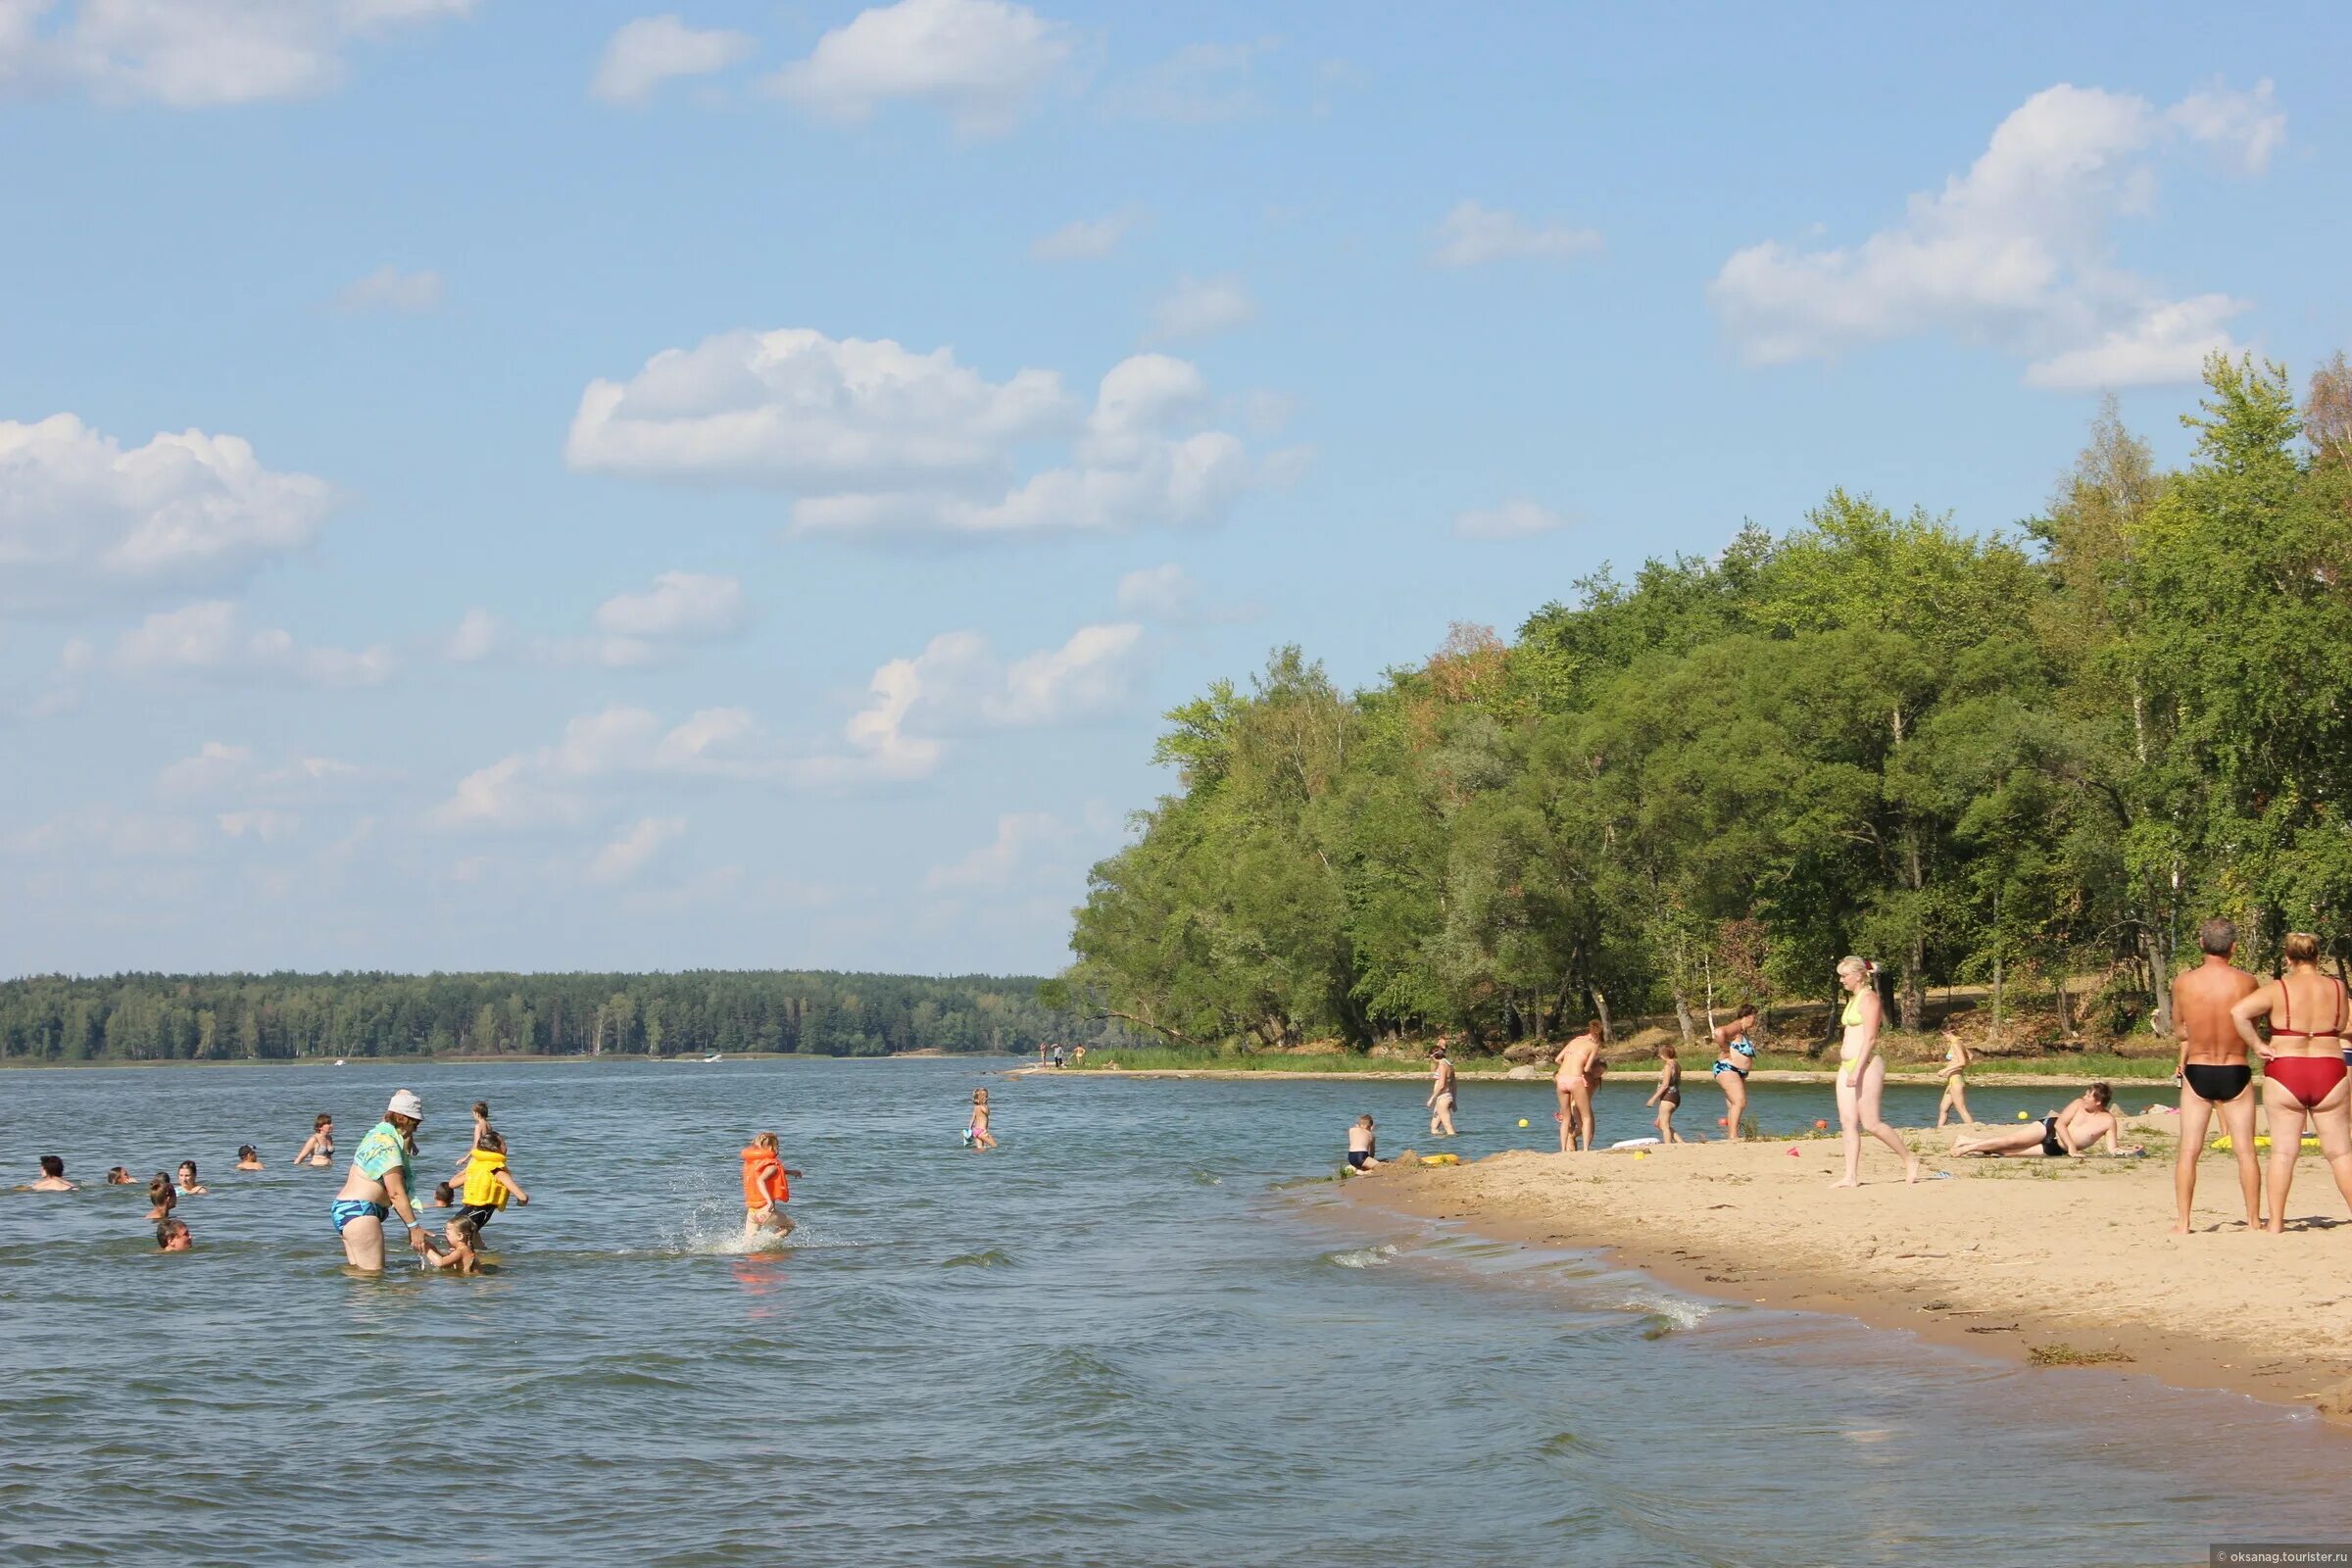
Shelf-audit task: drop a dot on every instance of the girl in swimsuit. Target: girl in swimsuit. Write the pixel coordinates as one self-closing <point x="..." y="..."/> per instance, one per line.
<point x="1956" y="1059"/>
<point x="1668" y="1095"/>
<point x="2302" y="1068"/>
<point x="319" y="1147"/>
<point x="981" y="1138"/>
<point x="2088" y="1117"/>
<point x="1862" y="1074"/>
<point x="1735" y="1053"/>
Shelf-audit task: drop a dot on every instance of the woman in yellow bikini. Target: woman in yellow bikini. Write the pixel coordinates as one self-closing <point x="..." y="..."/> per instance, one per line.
<point x="1862" y="1074"/>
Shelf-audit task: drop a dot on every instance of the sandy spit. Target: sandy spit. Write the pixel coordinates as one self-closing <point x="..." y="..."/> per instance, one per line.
<point x="2010" y="1256"/>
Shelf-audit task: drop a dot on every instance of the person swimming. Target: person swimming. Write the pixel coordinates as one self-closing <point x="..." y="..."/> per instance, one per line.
<point x="247" y="1157"/>
<point x="319" y="1147"/>
<point x="189" y="1186"/>
<point x="164" y="1196"/>
<point x="52" y="1177"/>
<point x="117" y="1176"/>
<point x="173" y="1235"/>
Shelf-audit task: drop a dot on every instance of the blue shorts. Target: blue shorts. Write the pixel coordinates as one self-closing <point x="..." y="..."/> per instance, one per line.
<point x="347" y="1210"/>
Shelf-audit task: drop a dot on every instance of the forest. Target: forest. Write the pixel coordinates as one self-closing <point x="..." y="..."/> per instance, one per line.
<point x="1993" y="760"/>
<point x="276" y="1018"/>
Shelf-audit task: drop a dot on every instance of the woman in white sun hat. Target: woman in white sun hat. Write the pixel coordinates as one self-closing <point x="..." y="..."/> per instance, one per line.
<point x="377" y="1186"/>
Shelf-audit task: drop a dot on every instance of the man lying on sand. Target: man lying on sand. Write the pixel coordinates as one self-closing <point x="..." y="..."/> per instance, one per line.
<point x="2088" y="1117"/>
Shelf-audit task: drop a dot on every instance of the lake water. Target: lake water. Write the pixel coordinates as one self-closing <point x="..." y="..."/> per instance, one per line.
<point x="1143" y="1333"/>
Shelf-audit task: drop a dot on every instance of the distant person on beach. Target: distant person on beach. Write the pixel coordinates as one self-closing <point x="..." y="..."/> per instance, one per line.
<point x="189" y="1186"/>
<point x="976" y="1131"/>
<point x="489" y="1184"/>
<point x="162" y="1197"/>
<point x="1057" y="1055"/>
<point x="1668" y="1095"/>
<point x="117" y="1176"/>
<point x="1735" y="1055"/>
<point x="173" y="1235"/>
<point x="51" y="1178"/>
<point x="1440" y="1101"/>
<point x="2213" y="1072"/>
<point x="377" y="1186"/>
<point x="766" y="1187"/>
<point x="1363" y="1146"/>
<point x="247" y="1157"/>
<point x="2303" y="1067"/>
<point x="1862" y="1073"/>
<point x="2085" y="1119"/>
<point x="319" y="1147"/>
<point x="1956" y="1059"/>
<point x="1572" y="1087"/>
<point x="1077" y="1058"/>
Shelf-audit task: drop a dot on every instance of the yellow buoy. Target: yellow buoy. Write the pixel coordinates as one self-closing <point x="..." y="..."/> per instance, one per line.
<point x="1523" y="1121"/>
<point x="2021" y="1116"/>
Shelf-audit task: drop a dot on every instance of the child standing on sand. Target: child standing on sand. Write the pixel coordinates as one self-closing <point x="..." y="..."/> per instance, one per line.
<point x="1668" y="1095"/>
<point x="766" y="1188"/>
<point x="1362" y="1146"/>
<point x="978" y="1132"/>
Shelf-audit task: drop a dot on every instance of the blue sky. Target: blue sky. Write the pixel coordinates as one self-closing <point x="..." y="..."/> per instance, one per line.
<point x="503" y="485"/>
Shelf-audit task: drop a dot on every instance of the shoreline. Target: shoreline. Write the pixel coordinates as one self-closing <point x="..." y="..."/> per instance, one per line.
<point x="2037" y="1078"/>
<point x="2009" y="1258"/>
<point x="516" y="1059"/>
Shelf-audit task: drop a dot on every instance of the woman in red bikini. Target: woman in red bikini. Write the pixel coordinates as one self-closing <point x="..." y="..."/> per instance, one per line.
<point x="2302" y="1067"/>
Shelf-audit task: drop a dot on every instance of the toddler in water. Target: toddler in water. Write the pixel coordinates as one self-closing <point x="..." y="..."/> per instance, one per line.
<point x="977" y="1134"/>
<point x="766" y="1188"/>
<point x="460" y="1251"/>
<point x="1361" y="1146"/>
<point x="173" y="1235"/>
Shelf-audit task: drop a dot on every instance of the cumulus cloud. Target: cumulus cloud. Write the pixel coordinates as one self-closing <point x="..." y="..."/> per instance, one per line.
<point x="389" y="288"/>
<point x="549" y="785"/>
<point x="1022" y="837"/>
<point x="651" y="50"/>
<point x="1160" y="593"/>
<point x="209" y="640"/>
<point x="959" y="684"/>
<point x="981" y="62"/>
<point x="479" y="635"/>
<point x="1087" y="239"/>
<point x="84" y="522"/>
<point x="1200" y="307"/>
<point x="633" y="630"/>
<point x="2015" y="253"/>
<point x="1199" y="84"/>
<point x="222" y="771"/>
<point x="1516" y="518"/>
<point x="873" y="439"/>
<point x="191" y="54"/>
<point x="624" y="857"/>
<point x="1472" y="235"/>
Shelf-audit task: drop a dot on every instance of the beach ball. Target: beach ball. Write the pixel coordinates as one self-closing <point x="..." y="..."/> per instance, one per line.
<point x="1523" y="1121"/>
<point x="1722" y="1122"/>
<point x="2021" y="1116"/>
<point x="1820" y="1126"/>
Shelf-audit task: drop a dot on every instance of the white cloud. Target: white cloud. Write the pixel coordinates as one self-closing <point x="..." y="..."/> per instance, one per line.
<point x="877" y="440"/>
<point x="209" y="639"/>
<point x="959" y="684"/>
<point x="196" y="53"/>
<point x="2015" y="254"/>
<point x="1472" y="234"/>
<point x="389" y="288"/>
<point x="479" y="635"/>
<point x="119" y="835"/>
<point x="981" y="62"/>
<point x="1087" y="239"/>
<point x="220" y="771"/>
<point x="265" y="825"/>
<point x="622" y="858"/>
<point x="685" y="605"/>
<point x="651" y="50"/>
<point x="1022" y="837"/>
<point x="1160" y="593"/>
<point x="83" y="521"/>
<point x="1199" y="84"/>
<point x="1200" y="307"/>
<point x="1513" y="520"/>
<point x="545" y="786"/>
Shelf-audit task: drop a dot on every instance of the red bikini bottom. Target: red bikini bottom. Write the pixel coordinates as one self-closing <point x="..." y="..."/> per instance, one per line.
<point x="2309" y="1079"/>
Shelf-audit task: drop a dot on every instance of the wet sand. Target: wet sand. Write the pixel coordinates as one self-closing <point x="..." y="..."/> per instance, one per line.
<point x="2069" y="1258"/>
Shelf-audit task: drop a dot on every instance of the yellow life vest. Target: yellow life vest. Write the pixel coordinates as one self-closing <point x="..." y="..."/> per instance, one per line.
<point x="482" y="1186"/>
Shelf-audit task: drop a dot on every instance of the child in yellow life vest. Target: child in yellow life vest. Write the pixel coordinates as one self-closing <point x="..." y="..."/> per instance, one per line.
<point x="488" y="1184"/>
<point x="766" y="1189"/>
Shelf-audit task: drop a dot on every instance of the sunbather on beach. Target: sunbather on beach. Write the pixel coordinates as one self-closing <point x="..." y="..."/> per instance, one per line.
<point x="2086" y="1119"/>
<point x="2212" y="1071"/>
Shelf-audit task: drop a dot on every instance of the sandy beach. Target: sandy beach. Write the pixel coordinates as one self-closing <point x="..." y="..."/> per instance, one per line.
<point x="2063" y="1261"/>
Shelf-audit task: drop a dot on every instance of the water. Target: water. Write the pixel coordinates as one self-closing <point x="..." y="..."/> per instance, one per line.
<point x="1143" y="1333"/>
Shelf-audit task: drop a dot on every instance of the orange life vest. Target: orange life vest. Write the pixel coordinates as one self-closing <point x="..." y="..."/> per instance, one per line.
<point x="764" y="1180"/>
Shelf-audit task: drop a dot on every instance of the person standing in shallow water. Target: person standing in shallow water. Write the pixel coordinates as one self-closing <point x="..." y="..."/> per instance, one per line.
<point x="377" y="1186"/>
<point x="2213" y="1072"/>
<point x="1862" y="1073"/>
<point x="1442" y="1081"/>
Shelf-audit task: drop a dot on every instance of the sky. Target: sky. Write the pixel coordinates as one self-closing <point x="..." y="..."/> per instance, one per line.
<point x="496" y="485"/>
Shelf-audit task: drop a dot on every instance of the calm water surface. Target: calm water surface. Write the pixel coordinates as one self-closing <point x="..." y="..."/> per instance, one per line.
<point x="1141" y="1334"/>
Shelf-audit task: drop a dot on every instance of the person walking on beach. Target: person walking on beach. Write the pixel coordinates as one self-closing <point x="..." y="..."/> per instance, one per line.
<point x="2212" y="1071"/>
<point x="1956" y="1058"/>
<point x="1441" y="1079"/>
<point x="2303" y="1067"/>
<point x="1734" y="1054"/>
<point x="1572" y="1086"/>
<point x="377" y="1186"/>
<point x="1862" y="1073"/>
<point x="1668" y="1095"/>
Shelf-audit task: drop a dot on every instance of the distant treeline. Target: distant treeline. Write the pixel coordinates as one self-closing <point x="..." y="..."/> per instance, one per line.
<point x="233" y="1017"/>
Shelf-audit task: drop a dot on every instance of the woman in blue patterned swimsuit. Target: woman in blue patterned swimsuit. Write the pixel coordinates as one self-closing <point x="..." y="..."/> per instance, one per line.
<point x="1735" y="1053"/>
<point x="381" y="1169"/>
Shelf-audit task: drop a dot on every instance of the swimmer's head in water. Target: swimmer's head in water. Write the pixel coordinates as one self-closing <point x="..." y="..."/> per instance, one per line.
<point x="117" y="1177"/>
<point x="52" y="1166"/>
<point x="172" y="1236"/>
<point x="187" y="1173"/>
<point x="161" y="1190"/>
<point x="2302" y="948"/>
<point x="445" y="1195"/>
<point x="2218" y="937"/>
<point x="248" y="1152"/>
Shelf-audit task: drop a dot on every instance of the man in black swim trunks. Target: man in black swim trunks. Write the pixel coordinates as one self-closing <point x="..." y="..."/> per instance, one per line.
<point x="2212" y="1071"/>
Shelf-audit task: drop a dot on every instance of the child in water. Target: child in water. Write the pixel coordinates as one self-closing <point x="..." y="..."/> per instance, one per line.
<point x="460" y="1251"/>
<point x="977" y="1133"/>
<point x="117" y="1176"/>
<point x="189" y="1186"/>
<point x="163" y="1196"/>
<point x="766" y="1188"/>
<point x="1362" y="1146"/>
<point x="488" y="1183"/>
<point x="173" y="1235"/>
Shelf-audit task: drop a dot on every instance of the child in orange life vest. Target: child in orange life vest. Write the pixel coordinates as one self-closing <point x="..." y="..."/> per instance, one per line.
<point x="765" y="1190"/>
